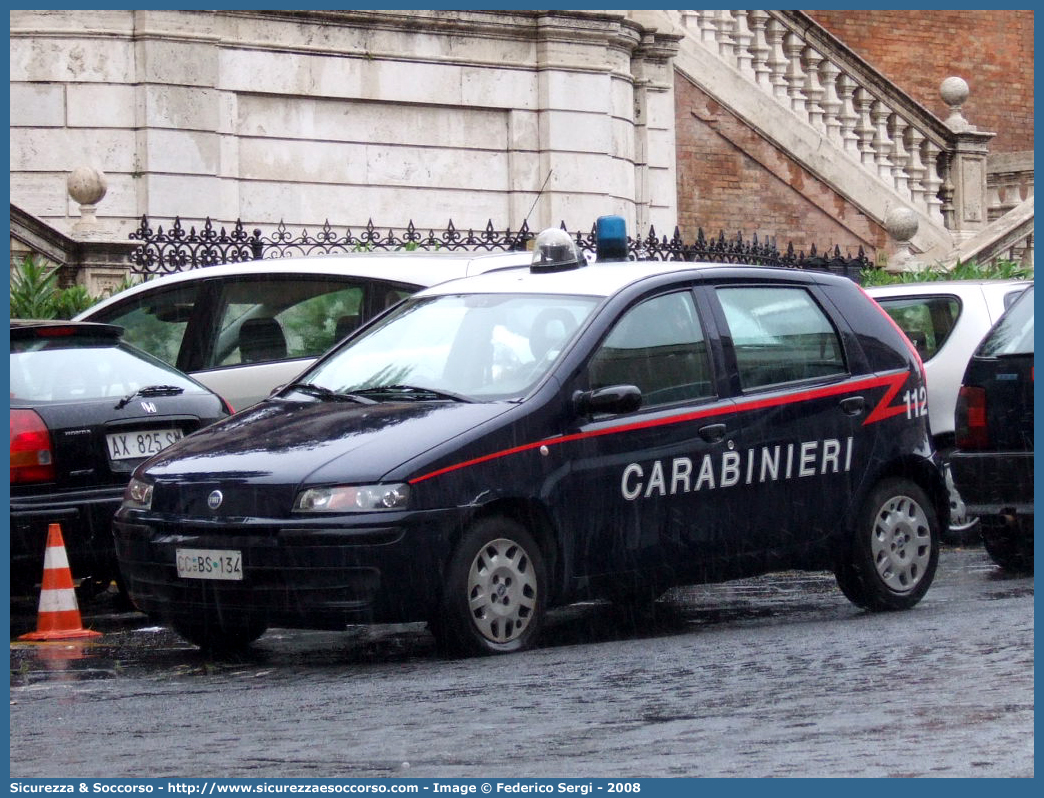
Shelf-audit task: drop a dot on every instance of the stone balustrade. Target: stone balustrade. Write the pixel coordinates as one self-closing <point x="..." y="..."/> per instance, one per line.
<point x="1008" y="238"/>
<point x="1009" y="182"/>
<point x="824" y="85"/>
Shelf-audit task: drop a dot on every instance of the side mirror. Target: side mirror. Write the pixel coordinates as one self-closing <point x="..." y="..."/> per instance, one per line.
<point x="611" y="399"/>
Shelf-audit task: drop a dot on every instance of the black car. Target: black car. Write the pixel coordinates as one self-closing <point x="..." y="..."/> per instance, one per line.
<point x="513" y="441"/>
<point x="993" y="464"/>
<point x="85" y="410"/>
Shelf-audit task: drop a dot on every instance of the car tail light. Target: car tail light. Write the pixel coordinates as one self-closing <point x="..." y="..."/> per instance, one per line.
<point x="31" y="454"/>
<point x="971" y="419"/>
<point x="55" y="332"/>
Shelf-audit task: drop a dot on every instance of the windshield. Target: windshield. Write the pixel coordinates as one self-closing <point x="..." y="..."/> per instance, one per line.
<point x="475" y="346"/>
<point x="82" y="368"/>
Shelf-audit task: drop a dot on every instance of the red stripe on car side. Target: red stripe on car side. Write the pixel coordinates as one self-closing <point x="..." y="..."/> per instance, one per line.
<point x="893" y="381"/>
<point x="884" y="408"/>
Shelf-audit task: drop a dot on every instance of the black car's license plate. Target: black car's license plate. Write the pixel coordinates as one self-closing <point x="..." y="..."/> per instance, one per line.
<point x="136" y="444"/>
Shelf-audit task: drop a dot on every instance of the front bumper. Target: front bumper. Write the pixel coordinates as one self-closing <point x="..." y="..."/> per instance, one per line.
<point x="85" y="517"/>
<point x="993" y="483"/>
<point x="310" y="574"/>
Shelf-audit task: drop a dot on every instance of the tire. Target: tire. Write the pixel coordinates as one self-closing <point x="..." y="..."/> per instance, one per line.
<point x="91" y="587"/>
<point x="1010" y="545"/>
<point x="632" y="602"/>
<point x="963" y="528"/>
<point x="891" y="560"/>
<point x="494" y="592"/>
<point x="220" y="635"/>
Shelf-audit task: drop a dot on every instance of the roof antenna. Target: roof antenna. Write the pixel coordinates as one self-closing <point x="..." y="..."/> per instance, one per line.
<point x="539" y="193"/>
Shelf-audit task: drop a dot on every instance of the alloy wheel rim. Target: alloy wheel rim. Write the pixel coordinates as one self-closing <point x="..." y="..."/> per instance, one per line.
<point x="901" y="544"/>
<point x="502" y="591"/>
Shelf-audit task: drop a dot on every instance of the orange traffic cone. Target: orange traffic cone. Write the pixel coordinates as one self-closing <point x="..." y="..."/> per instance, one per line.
<point x="59" y="615"/>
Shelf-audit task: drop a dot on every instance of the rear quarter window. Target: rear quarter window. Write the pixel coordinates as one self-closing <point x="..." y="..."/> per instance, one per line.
<point x="156" y="321"/>
<point x="926" y="320"/>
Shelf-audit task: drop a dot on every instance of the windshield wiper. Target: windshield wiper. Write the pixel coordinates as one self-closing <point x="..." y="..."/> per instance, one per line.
<point x="326" y="394"/>
<point x="414" y="392"/>
<point x="152" y="390"/>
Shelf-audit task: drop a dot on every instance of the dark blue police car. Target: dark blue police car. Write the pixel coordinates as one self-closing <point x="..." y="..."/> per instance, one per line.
<point x="501" y="444"/>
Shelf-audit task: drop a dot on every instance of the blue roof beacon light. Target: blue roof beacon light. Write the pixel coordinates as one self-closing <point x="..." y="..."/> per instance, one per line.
<point x="610" y="239"/>
<point x="555" y="251"/>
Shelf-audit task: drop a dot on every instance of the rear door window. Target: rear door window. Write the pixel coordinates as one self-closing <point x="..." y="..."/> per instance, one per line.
<point x="926" y="320"/>
<point x="780" y="335"/>
<point x="155" y="321"/>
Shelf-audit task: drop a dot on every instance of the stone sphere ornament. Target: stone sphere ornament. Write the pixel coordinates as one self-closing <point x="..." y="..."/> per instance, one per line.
<point x="954" y="92"/>
<point x="901" y="224"/>
<point x="87" y="185"/>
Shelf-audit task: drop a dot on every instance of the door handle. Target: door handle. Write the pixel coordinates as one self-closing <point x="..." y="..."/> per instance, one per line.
<point x="853" y="405"/>
<point x="712" y="433"/>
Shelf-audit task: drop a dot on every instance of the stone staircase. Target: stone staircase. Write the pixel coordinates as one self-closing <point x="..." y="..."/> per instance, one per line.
<point x="922" y="178"/>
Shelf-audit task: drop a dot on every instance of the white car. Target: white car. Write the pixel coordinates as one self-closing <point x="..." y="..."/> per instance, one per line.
<point x="243" y="329"/>
<point x="946" y="320"/>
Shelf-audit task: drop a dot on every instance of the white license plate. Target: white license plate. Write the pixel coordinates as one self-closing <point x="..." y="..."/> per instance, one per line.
<point x="134" y="445"/>
<point x="209" y="564"/>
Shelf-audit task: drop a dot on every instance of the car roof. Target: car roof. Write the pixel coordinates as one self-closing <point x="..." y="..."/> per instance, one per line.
<point x="602" y="279"/>
<point x="422" y="268"/>
<point x="944" y="286"/>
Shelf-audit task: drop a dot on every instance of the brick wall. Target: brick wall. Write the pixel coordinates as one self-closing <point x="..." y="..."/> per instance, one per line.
<point x="731" y="179"/>
<point x="917" y="50"/>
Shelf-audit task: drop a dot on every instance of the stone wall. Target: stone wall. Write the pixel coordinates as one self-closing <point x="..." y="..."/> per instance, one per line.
<point x="917" y="49"/>
<point x="346" y="116"/>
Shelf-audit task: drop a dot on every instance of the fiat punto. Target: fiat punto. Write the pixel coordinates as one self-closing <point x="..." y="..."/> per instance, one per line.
<point x="501" y="444"/>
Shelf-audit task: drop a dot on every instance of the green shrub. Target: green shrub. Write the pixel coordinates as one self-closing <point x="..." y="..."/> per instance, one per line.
<point x="129" y="281"/>
<point x="70" y="301"/>
<point x="33" y="286"/>
<point x="999" y="270"/>
<point x="35" y="293"/>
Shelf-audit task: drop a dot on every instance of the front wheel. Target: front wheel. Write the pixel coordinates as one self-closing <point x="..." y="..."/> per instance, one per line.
<point x="220" y="635"/>
<point x="890" y="563"/>
<point x="495" y="591"/>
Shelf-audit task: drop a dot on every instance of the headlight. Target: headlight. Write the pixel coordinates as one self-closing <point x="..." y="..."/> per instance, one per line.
<point x="352" y="498"/>
<point x="138" y="495"/>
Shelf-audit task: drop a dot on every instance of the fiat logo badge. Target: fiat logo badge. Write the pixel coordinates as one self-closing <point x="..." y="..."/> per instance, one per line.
<point x="214" y="499"/>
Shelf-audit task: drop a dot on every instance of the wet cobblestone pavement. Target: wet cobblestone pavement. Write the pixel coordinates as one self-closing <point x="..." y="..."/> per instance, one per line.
<point x="775" y="676"/>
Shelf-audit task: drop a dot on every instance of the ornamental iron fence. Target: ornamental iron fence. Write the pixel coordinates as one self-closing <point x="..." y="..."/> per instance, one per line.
<point x="177" y="249"/>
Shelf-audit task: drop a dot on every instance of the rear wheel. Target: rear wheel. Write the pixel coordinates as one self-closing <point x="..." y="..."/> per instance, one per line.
<point x="224" y="634"/>
<point x="891" y="562"/>
<point x="963" y="528"/>
<point x="495" y="591"/>
<point x="1009" y="543"/>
